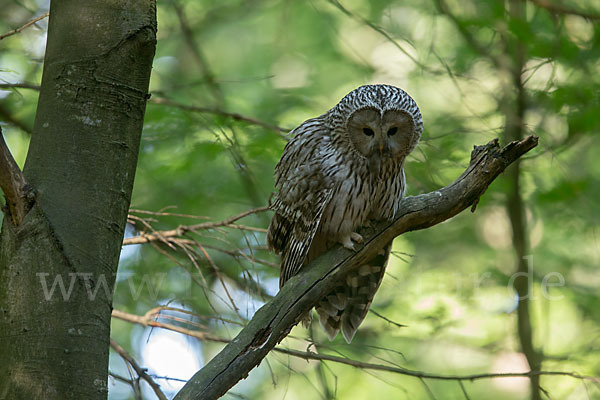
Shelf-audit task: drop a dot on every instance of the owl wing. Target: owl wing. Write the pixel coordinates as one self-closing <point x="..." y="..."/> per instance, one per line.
<point x="304" y="192"/>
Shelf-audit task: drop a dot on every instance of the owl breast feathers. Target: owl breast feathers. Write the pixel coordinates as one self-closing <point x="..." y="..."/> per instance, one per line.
<point x="337" y="172"/>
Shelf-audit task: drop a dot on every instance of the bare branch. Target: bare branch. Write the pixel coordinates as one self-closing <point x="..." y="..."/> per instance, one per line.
<point x="188" y="35"/>
<point x="272" y="322"/>
<point x="382" y="32"/>
<point x="19" y="85"/>
<point x="19" y="29"/>
<point x="467" y="36"/>
<point x="149" y="319"/>
<point x="239" y="253"/>
<point x="309" y="355"/>
<point x="282" y="131"/>
<point x="13" y="185"/>
<point x="183" y="229"/>
<point x="235" y="116"/>
<point x="139" y="370"/>
<point x="425" y="375"/>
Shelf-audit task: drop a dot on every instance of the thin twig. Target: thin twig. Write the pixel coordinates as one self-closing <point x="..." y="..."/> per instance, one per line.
<point x="239" y="253"/>
<point x="19" y="29"/>
<point x="246" y="228"/>
<point x="425" y="375"/>
<point x="182" y="229"/>
<point x="148" y="320"/>
<point x="120" y="378"/>
<point x="220" y="277"/>
<point x="309" y="355"/>
<point x="139" y="370"/>
<point x="235" y="116"/>
<point x="167" y="214"/>
<point x="155" y="233"/>
<point x="466" y="34"/>
<point x="464" y="390"/>
<point x="383" y="33"/>
<point x="387" y="319"/>
<point x="19" y="85"/>
<point x="188" y="35"/>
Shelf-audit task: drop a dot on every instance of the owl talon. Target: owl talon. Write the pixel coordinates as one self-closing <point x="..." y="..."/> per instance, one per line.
<point x="347" y="241"/>
<point x="356" y="237"/>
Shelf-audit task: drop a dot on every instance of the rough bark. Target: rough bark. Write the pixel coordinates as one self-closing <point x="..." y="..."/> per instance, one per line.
<point x="80" y="166"/>
<point x="273" y="321"/>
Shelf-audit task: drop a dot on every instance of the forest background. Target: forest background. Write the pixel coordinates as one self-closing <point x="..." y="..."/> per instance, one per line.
<point x="231" y="78"/>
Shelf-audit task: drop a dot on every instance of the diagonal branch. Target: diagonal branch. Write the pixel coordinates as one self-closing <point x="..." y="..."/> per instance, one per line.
<point x="274" y="320"/>
<point x="138" y="370"/>
<point x="13" y="184"/>
<point x="27" y="25"/>
<point x="183" y="229"/>
<point x="149" y="320"/>
<point x="235" y="116"/>
<point x="188" y="36"/>
<point x="466" y="34"/>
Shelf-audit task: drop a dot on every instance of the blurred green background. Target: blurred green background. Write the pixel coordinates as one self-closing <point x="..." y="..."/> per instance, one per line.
<point x="228" y="73"/>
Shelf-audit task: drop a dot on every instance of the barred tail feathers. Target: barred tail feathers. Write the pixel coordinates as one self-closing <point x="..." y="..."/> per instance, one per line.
<point x="347" y="305"/>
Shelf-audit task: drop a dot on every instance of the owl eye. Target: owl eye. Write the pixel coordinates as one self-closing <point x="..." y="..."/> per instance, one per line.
<point x="368" y="131"/>
<point x="392" y="131"/>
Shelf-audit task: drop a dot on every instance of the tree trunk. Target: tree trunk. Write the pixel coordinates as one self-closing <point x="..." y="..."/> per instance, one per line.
<point x="57" y="268"/>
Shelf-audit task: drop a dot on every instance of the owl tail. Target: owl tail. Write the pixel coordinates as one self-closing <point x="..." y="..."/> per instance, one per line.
<point x="347" y="305"/>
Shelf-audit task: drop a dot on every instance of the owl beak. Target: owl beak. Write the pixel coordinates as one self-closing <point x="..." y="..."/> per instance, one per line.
<point x="383" y="147"/>
<point x="375" y="167"/>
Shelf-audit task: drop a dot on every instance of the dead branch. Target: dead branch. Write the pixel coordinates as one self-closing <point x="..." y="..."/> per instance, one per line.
<point x="466" y="34"/>
<point x="19" y="29"/>
<point x="139" y="370"/>
<point x="147" y="320"/>
<point x="308" y="355"/>
<point x="150" y="319"/>
<point x="13" y="185"/>
<point x="20" y="85"/>
<point x="274" y="320"/>
<point x="183" y="229"/>
<point x="188" y="36"/>
<point x="235" y="116"/>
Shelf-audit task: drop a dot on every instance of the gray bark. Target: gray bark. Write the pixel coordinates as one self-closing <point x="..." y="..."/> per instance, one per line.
<point x="80" y="166"/>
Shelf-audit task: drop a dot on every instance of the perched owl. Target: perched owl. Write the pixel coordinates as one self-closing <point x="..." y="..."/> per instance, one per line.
<point x="337" y="172"/>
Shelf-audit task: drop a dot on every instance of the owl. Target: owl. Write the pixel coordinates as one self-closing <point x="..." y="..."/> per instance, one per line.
<point x="338" y="172"/>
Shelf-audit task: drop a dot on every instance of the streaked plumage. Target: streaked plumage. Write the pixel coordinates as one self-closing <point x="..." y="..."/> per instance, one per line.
<point x="337" y="172"/>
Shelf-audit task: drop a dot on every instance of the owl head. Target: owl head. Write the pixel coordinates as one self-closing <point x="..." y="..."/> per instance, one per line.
<point x="381" y="122"/>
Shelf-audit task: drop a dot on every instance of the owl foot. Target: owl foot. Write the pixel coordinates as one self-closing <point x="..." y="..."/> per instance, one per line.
<point x="347" y="241"/>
